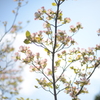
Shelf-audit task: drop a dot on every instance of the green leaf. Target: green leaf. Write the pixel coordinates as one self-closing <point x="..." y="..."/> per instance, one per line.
<point x="58" y="63"/>
<point x="5" y="97"/>
<point x="27" y="34"/>
<point x="48" y="52"/>
<point x="26" y="41"/>
<point x="71" y="67"/>
<point x="36" y="86"/>
<point x="54" y="4"/>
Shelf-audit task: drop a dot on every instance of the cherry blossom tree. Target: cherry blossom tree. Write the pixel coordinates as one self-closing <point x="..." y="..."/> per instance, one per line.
<point x="63" y="60"/>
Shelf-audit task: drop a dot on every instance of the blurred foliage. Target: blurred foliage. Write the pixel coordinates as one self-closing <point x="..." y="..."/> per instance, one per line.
<point x="21" y="98"/>
<point x="97" y="97"/>
<point x="10" y="72"/>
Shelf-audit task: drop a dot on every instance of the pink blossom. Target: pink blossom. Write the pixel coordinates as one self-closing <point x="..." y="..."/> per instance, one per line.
<point x="78" y="23"/>
<point x="84" y="80"/>
<point x="98" y="58"/>
<point x="41" y="10"/>
<point x="69" y="38"/>
<point x="29" y="52"/>
<point x="16" y="57"/>
<point x="98" y="31"/>
<point x="45" y="60"/>
<point x="31" y="67"/>
<point x="37" y="54"/>
<point x="90" y="49"/>
<point x="48" y="11"/>
<point x="72" y="27"/>
<point x="90" y="58"/>
<point x="17" y="54"/>
<point x="37" y="15"/>
<point x="25" y="48"/>
<point x="44" y="25"/>
<point x="40" y="32"/>
<point x="33" y="34"/>
<point x="83" y="50"/>
<point x="19" y="22"/>
<point x="20" y="48"/>
<point x="42" y="7"/>
<point x="67" y="20"/>
<point x="64" y="52"/>
<point x="49" y="69"/>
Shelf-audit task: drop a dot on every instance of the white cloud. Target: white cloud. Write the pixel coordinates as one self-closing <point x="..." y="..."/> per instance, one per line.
<point x="28" y="83"/>
<point x="96" y="74"/>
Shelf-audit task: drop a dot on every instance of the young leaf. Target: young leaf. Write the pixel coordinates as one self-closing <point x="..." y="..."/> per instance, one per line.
<point x="54" y="4"/>
<point x="27" y="34"/>
<point x="36" y="86"/>
<point x="26" y="41"/>
<point x="48" y="52"/>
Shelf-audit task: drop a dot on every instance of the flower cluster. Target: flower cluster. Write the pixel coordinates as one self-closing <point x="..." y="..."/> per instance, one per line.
<point x="17" y="56"/>
<point x="37" y="64"/>
<point x="29" y="57"/>
<point x="83" y="81"/>
<point x="23" y="49"/>
<point x="66" y="20"/>
<point x="10" y="80"/>
<point x="75" y="29"/>
<point x="97" y="47"/>
<point x="63" y="38"/>
<point x="44" y="83"/>
<point x="34" y="37"/>
<point x="35" y="68"/>
<point x="83" y="54"/>
<point x="63" y="53"/>
<point x="16" y="28"/>
<point x="63" y="79"/>
<point x="37" y="37"/>
<point x="51" y="15"/>
<point x="39" y="13"/>
<point x="49" y="72"/>
<point x="27" y="52"/>
<point x="46" y="25"/>
<point x="73" y="91"/>
<point x="5" y="23"/>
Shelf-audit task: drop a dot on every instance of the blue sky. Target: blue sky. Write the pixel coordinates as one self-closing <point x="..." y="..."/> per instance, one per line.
<point x="84" y="11"/>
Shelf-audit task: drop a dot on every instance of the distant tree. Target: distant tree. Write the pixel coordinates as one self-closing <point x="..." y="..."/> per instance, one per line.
<point x="10" y="77"/>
